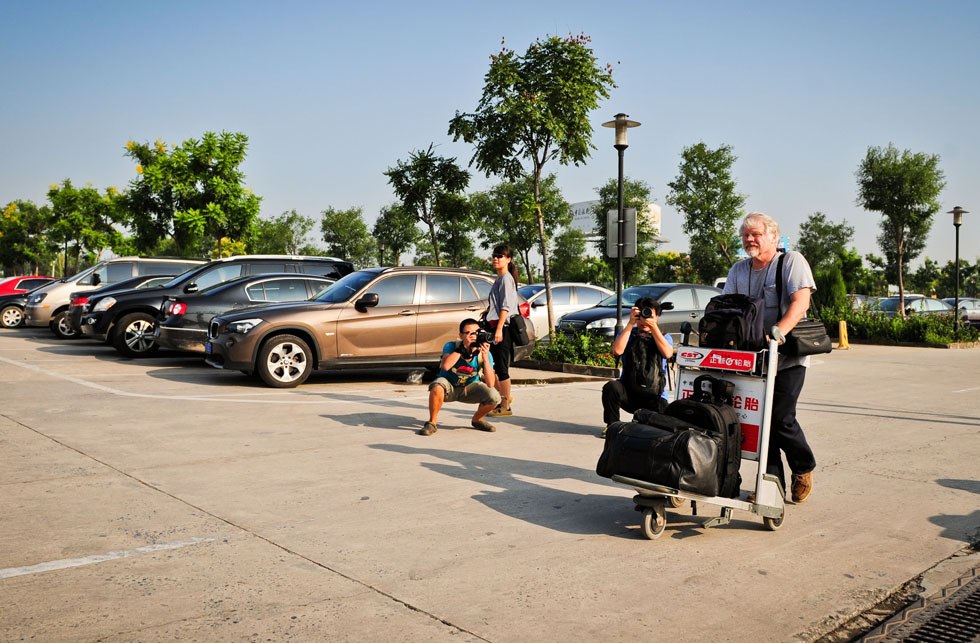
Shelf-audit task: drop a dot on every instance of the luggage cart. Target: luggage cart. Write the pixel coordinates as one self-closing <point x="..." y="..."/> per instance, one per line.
<point x="754" y="375"/>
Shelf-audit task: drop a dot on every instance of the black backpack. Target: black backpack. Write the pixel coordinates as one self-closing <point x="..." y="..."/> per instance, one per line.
<point x="733" y="322"/>
<point x="646" y="366"/>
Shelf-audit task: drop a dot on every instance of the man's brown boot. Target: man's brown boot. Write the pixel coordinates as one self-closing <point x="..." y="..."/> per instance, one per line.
<point x="802" y="486"/>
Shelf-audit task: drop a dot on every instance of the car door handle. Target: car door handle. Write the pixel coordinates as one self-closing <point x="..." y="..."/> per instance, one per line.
<point x="473" y="309"/>
<point x="407" y="312"/>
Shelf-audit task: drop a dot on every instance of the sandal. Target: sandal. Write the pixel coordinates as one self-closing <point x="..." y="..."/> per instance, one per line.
<point x="483" y="425"/>
<point x="428" y="429"/>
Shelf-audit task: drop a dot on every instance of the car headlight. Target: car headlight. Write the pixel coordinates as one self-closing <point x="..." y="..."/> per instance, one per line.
<point x="608" y="322"/>
<point x="38" y="298"/>
<point x="242" y="327"/>
<point x="104" y="304"/>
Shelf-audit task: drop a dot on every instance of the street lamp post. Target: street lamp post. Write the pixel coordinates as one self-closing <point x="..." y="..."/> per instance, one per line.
<point x="622" y="123"/>
<point x="957" y="213"/>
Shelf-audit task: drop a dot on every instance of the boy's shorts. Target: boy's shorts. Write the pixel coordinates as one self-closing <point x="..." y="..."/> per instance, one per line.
<point x="475" y="393"/>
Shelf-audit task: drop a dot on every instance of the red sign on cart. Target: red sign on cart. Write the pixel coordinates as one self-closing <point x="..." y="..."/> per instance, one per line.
<point x="739" y="361"/>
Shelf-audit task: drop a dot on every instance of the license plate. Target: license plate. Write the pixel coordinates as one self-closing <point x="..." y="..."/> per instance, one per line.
<point x="208" y="349"/>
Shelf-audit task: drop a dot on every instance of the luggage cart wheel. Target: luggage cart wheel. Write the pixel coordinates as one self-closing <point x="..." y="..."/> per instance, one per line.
<point x="676" y="502"/>
<point x="654" y="522"/>
<point x="772" y="524"/>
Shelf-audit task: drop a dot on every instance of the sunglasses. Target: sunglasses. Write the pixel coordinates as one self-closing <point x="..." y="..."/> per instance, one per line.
<point x="470" y="332"/>
<point x="497" y="255"/>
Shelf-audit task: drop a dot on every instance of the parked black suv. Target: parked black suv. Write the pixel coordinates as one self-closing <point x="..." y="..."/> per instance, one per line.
<point x="126" y="319"/>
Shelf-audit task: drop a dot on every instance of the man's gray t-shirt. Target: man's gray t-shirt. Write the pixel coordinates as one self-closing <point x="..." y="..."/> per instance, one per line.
<point x="743" y="279"/>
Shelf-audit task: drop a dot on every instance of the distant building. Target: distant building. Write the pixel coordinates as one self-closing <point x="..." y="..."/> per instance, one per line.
<point x="583" y="219"/>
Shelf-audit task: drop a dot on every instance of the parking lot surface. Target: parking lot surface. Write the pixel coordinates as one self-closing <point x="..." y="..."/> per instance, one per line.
<point x="159" y="499"/>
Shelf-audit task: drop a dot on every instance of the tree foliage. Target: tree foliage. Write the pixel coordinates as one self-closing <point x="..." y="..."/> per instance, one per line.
<point x="347" y="236"/>
<point x="192" y="194"/>
<point x="821" y="241"/>
<point x="506" y="213"/>
<point x="83" y="220"/>
<point x="25" y="247"/>
<point x="394" y="233"/>
<point x="704" y="191"/>
<point x="421" y="181"/>
<point x="535" y="109"/>
<point x="287" y="233"/>
<point x="903" y="187"/>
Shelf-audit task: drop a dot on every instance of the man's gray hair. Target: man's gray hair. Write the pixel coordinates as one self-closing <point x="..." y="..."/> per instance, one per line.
<point x="770" y="224"/>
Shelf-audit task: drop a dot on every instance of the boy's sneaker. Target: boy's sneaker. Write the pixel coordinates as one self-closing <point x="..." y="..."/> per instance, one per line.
<point x="428" y="429"/>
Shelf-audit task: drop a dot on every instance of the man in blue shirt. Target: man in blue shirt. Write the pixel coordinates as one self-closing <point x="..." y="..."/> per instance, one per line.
<point x="645" y="350"/>
<point x="465" y="375"/>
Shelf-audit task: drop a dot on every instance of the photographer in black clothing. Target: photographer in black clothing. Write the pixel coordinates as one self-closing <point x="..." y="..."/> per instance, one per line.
<point x="645" y="350"/>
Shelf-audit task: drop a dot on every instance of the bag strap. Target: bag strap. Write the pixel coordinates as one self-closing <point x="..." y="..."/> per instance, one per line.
<point x="779" y="283"/>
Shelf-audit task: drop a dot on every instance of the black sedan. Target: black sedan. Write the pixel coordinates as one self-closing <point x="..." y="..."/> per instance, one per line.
<point x="81" y="301"/>
<point x="183" y="321"/>
<point x="687" y="302"/>
<point x="12" y="309"/>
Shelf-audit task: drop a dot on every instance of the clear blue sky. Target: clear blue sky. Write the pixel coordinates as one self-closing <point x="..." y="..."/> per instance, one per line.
<point x="331" y="94"/>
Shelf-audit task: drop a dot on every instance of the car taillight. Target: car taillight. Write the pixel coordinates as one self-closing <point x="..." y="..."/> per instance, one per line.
<point x="525" y="309"/>
<point x="79" y="301"/>
<point x="178" y="308"/>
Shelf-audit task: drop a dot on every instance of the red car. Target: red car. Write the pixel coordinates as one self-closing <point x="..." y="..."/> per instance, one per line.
<point x="24" y="283"/>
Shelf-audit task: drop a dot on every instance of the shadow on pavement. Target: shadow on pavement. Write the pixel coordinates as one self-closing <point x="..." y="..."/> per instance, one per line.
<point x="892" y="413"/>
<point x="521" y="497"/>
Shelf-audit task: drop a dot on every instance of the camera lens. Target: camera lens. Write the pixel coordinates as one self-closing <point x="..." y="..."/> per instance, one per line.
<point x="646" y="313"/>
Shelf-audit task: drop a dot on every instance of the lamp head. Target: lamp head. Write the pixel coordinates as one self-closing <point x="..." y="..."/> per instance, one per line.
<point x="958" y="213"/>
<point x="622" y="123"/>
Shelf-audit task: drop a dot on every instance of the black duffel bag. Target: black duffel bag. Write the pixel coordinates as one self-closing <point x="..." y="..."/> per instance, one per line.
<point x="673" y="454"/>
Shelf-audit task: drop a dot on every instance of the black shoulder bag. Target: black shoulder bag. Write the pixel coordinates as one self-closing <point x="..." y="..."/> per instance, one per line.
<point x="809" y="336"/>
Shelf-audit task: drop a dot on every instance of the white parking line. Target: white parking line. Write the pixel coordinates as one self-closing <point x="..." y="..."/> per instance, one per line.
<point x="293" y="397"/>
<point x="67" y="563"/>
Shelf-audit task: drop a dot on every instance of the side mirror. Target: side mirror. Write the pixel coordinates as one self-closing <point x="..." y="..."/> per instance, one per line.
<point x="538" y="303"/>
<point x="367" y="300"/>
<point x="96" y="279"/>
<point x="191" y="287"/>
<point x="666" y="305"/>
<point x="908" y="310"/>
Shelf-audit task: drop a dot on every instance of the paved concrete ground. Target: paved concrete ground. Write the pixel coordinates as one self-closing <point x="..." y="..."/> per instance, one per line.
<point x="160" y="499"/>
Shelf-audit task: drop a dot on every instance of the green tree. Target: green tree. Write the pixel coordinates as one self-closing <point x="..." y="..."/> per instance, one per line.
<point x="287" y="233"/>
<point x="347" y="236"/>
<point x="191" y="194"/>
<point x="821" y="241"/>
<point x="704" y="191"/>
<point x="535" y="109"/>
<point x="421" y="181"/>
<point x="904" y="189"/>
<point x="85" y="220"/>
<point x="566" y="264"/>
<point x="395" y="233"/>
<point x="671" y="266"/>
<point x="831" y="291"/>
<point x="506" y="213"/>
<point x="24" y="245"/>
<point x="636" y="194"/>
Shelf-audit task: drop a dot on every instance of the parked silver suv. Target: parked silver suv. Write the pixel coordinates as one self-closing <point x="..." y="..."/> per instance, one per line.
<point x="49" y="305"/>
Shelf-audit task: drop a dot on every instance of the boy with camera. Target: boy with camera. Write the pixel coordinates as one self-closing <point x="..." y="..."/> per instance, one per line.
<point x="465" y="375"/>
<point x="645" y="350"/>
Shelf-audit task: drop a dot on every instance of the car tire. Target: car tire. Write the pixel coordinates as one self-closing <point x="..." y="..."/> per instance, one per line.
<point x="61" y="326"/>
<point x="284" y="361"/>
<point x="133" y="335"/>
<point x="11" y="316"/>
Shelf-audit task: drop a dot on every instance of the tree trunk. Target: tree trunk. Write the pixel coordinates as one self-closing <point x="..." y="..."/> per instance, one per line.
<point x="435" y="242"/>
<point x="545" y="267"/>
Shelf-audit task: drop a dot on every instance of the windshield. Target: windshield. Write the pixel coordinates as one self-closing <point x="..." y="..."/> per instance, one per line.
<point x="890" y="305"/>
<point x="80" y="275"/>
<point x="529" y="291"/>
<point x="630" y="295"/>
<point x="179" y="279"/>
<point x="346" y="287"/>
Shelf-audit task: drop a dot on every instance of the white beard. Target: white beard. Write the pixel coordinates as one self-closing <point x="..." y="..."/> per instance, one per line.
<point x="752" y="252"/>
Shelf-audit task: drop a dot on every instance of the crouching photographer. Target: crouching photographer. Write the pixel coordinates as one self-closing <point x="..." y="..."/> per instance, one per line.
<point x="645" y="351"/>
<point x="465" y="375"/>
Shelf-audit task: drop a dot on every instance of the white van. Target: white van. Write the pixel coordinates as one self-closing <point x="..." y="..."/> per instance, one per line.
<point x="48" y="306"/>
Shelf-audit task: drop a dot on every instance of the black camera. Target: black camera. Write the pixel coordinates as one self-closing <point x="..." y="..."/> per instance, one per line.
<point x="483" y="336"/>
<point x="646" y="313"/>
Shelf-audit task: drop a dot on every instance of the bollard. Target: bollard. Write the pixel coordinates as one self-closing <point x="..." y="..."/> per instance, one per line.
<point x="842" y="345"/>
